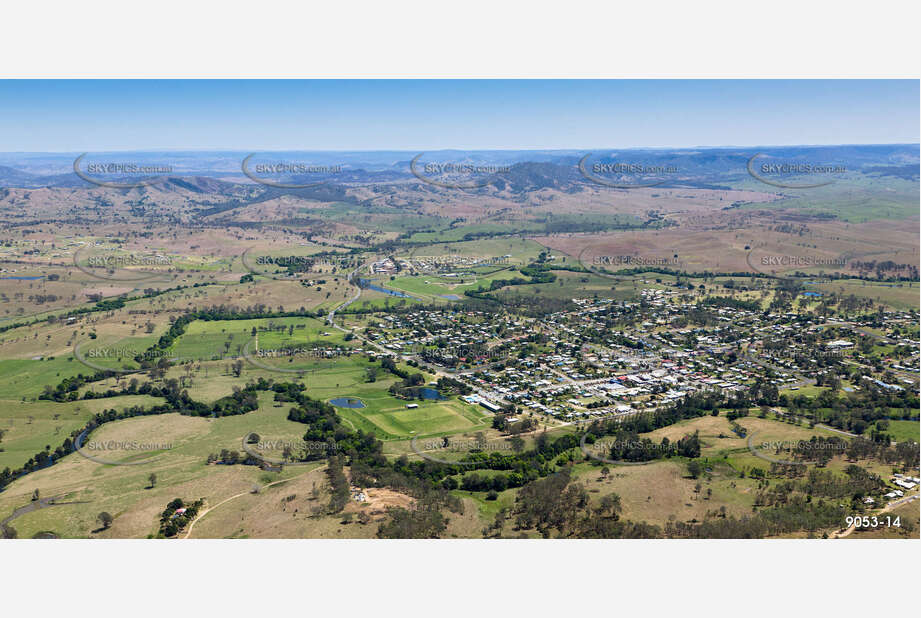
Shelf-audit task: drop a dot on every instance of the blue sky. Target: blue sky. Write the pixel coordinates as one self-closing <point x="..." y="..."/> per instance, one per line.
<point x="68" y="116"/>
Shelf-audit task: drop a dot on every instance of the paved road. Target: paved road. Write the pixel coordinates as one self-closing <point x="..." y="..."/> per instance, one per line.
<point x="36" y="505"/>
<point x="801" y="381"/>
<point x="332" y="312"/>
<point x="780" y="412"/>
<point x="381" y="348"/>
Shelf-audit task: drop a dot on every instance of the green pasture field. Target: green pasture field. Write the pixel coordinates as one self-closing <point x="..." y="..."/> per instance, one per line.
<point x="181" y="470"/>
<point x="522" y="250"/>
<point x="30" y="427"/>
<point x="26" y="379"/>
<point x="217" y="339"/>
<point x="371" y="299"/>
<point x="771" y="430"/>
<point x="575" y="285"/>
<point x="905" y="430"/>
<point x="343" y="376"/>
<point x="458" y="233"/>
<point x="806" y="390"/>
<point x="855" y="198"/>
<point x="903" y="295"/>
<point x="111" y="352"/>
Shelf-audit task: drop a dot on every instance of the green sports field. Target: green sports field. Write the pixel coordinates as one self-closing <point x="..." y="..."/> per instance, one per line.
<point x="439" y="286"/>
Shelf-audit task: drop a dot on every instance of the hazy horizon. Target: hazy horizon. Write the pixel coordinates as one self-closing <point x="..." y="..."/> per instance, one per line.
<point x="408" y="150"/>
<point x="41" y="116"/>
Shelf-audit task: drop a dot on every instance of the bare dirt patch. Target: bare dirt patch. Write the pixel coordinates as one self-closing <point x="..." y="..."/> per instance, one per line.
<point x="378" y="500"/>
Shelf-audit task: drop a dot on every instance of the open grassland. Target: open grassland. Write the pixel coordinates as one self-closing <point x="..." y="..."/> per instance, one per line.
<point x="124" y="492"/>
<point x="569" y="285"/>
<point x="726" y="248"/>
<point x="241" y="501"/>
<point x="218" y="339"/>
<point x="716" y="435"/>
<point x="21" y="299"/>
<point x="103" y="329"/>
<point x="765" y="436"/>
<point x="662" y="489"/>
<point x="293" y="509"/>
<point x="855" y="198"/>
<point x="26" y="379"/>
<point x="381" y="301"/>
<point x="46" y="280"/>
<point x="522" y="251"/>
<point x="181" y="471"/>
<point x="773" y="438"/>
<point x="455" y="235"/>
<point x="904" y="430"/>
<point x="327" y="379"/>
<point x="896" y="295"/>
<point x="462" y="443"/>
<point x="31" y="426"/>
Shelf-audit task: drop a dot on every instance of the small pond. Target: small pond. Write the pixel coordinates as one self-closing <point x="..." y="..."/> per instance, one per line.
<point x="430" y="393"/>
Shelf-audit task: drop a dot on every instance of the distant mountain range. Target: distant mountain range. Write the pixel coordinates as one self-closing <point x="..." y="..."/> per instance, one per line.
<point x="528" y="170"/>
